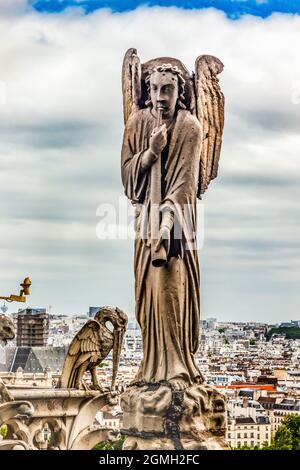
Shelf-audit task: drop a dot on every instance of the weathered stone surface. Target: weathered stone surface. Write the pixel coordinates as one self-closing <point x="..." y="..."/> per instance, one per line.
<point x="5" y="395"/>
<point x="144" y="408"/>
<point x="66" y="416"/>
<point x="170" y="153"/>
<point x="7" y="330"/>
<point x="91" y="345"/>
<point x="162" y="418"/>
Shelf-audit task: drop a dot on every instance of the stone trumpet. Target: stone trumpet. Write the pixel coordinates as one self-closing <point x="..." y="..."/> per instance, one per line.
<point x="158" y="255"/>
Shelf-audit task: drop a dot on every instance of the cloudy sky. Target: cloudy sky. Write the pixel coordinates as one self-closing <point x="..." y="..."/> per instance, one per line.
<point x="61" y="132"/>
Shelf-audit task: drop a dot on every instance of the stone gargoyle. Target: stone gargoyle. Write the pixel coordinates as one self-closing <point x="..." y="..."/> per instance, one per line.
<point x="91" y="345"/>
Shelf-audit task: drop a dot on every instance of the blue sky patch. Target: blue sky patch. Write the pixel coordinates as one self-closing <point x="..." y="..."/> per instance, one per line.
<point x="232" y="8"/>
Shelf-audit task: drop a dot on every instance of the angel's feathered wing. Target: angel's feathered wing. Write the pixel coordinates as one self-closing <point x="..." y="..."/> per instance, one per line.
<point x="209" y="101"/>
<point x="131" y="82"/>
<point x="85" y="346"/>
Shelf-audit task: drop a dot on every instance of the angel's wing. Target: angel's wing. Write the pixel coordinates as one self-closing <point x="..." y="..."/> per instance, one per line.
<point x="131" y="82"/>
<point x="210" y="112"/>
<point x="85" y="346"/>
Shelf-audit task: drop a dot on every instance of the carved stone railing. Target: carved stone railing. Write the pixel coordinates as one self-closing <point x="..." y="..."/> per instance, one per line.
<point x="57" y="419"/>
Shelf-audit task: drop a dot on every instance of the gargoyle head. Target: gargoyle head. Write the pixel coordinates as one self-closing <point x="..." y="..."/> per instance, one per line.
<point x="7" y="330"/>
<point x="119" y="320"/>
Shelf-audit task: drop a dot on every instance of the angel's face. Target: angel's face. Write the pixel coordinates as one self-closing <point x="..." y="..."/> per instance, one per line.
<point x="164" y="92"/>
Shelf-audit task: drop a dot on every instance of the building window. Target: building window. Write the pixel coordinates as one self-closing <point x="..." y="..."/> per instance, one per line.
<point x="229" y="435"/>
<point x="245" y="434"/>
<point x="252" y="434"/>
<point x="239" y="435"/>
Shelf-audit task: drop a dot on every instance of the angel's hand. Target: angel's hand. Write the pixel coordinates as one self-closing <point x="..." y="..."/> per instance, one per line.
<point x="158" y="139"/>
<point x="164" y="239"/>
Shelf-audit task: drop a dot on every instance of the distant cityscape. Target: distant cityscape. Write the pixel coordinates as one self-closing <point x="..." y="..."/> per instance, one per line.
<point x="256" y="365"/>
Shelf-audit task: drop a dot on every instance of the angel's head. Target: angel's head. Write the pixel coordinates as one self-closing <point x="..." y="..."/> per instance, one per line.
<point x="165" y="85"/>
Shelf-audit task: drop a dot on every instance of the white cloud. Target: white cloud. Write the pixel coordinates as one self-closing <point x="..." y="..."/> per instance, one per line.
<point x="60" y="138"/>
<point x="13" y="7"/>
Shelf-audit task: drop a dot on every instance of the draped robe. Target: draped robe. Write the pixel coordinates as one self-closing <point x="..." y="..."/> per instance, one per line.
<point x="167" y="297"/>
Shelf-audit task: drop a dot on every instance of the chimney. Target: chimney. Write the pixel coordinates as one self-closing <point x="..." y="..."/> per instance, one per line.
<point x="245" y="402"/>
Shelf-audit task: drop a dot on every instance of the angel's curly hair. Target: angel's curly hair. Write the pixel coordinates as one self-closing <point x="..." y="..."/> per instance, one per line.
<point x="175" y="70"/>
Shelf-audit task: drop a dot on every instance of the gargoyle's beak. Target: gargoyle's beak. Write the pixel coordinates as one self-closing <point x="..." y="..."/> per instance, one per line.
<point x="118" y="340"/>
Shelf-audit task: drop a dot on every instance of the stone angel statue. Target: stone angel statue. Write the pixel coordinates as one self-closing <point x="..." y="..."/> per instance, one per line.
<point x="171" y="149"/>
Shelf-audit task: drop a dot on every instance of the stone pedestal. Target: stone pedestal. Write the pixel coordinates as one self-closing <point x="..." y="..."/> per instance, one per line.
<point x="158" y="417"/>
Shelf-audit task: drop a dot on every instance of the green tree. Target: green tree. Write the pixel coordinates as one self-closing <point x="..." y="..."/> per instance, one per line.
<point x="245" y="447"/>
<point x="292" y="423"/>
<point x="283" y="439"/>
<point x="289" y="332"/>
<point x="265" y="446"/>
<point x="256" y="447"/>
<point x="106" y="445"/>
<point x="287" y="436"/>
<point x="3" y="430"/>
